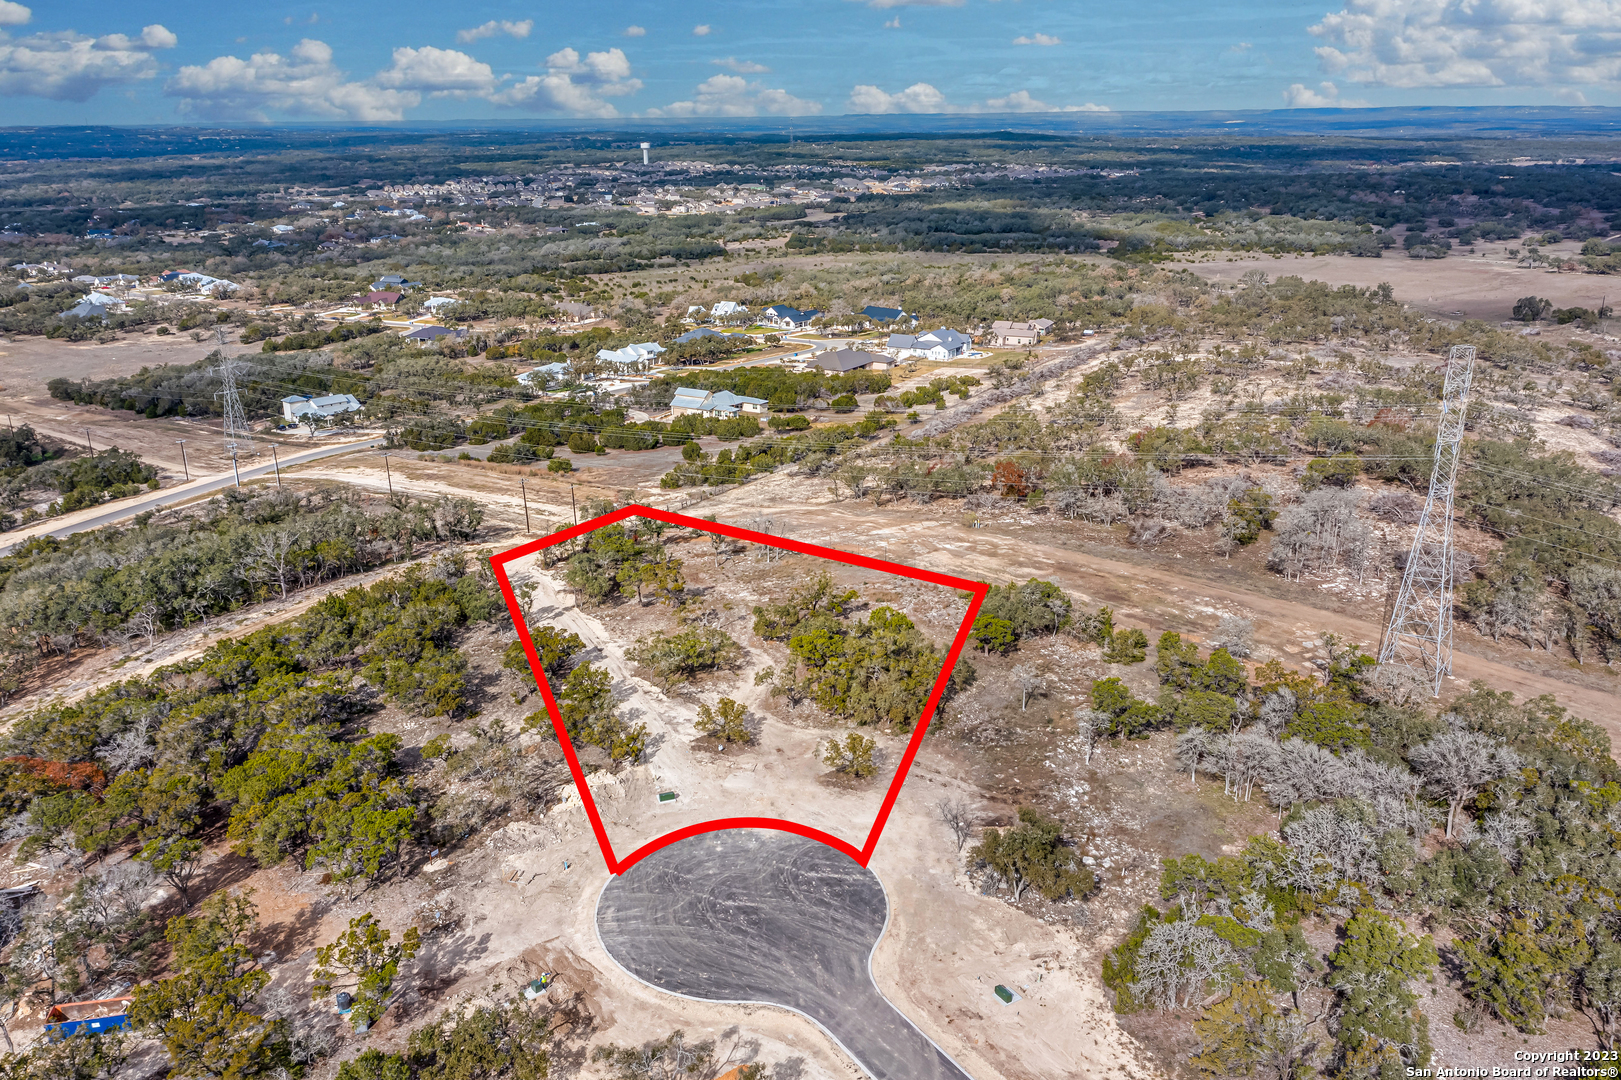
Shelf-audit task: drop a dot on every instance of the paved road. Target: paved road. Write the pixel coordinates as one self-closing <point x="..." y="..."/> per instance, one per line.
<point x="199" y="487"/>
<point x="756" y="915"/>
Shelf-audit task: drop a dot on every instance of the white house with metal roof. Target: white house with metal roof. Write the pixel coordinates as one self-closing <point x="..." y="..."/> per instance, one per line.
<point x="295" y="407"/>
<point x="941" y="344"/>
<point x="644" y="352"/>
<point x="719" y="404"/>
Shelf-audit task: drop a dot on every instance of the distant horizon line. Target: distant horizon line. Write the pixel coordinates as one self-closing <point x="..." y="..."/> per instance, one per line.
<point x="879" y="121"/>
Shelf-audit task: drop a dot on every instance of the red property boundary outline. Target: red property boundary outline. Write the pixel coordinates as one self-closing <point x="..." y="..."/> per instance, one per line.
<point x="616" y="865"/>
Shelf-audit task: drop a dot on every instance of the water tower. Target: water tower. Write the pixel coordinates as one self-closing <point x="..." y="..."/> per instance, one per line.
<point x="644" y="152"/>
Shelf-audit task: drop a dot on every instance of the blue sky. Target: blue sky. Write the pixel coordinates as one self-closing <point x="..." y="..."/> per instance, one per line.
<point x="135" y="61"/>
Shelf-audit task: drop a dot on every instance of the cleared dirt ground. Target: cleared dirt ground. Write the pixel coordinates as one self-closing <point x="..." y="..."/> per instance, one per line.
<point x="1481" y="286"/>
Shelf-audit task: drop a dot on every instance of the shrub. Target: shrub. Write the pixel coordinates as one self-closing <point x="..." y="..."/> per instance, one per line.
<point x="854" y="756"/>
<point x="1033" y="853"/>
<point x="677" y="657"/>
<point x="725" y="722"/>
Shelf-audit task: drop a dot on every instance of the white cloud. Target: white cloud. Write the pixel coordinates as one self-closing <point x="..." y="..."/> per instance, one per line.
<point x="308" y="83"/>
<point x="305" y="83"/>
<point x="909" y="3"/>
<point x="893" y="24"/>
<point x="492" y="28"/>
<point x="1326" y="96"/>
<point x="742" y="67"/>
<point x="635" y="31"/>
<point x="14" y="14"/>
<point x="917" y="98"/>
<point x="1241" y="47"/>
<point x="1038" y="39"/>
<point x="158" y="37"/>
<point x="732" y="95"/>
<point x="1021" y="101"/>
<point x="1430" y="43"/>
<point x="573" y="85"/>
<point x="701" y="30"/>
<point x="68" y="66"/>
<point x="611" y="66"/>
<point x="923" y="98"/>
<point x="437" y="71"/>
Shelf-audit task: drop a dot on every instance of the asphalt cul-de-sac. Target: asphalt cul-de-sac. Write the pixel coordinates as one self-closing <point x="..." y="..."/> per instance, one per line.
<point x="756" y="915"/>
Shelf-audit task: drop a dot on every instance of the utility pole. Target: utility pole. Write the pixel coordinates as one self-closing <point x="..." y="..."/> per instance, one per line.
<point x="525" y="492"/>
<point x="184" y="464"/>
<point x="87" y="442"/>
<point x="572" y="503"/>
<point x="8" y="424"/>
<point x="1419" y="637"/>
<point x="389" y="473"/>
<point x="277" y="462"/>
<point x="234" y="470"/>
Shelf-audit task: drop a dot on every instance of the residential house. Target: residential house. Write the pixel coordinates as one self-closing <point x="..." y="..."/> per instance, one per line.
<point x="886" y="314"/>
<point x="1013" y="335"/>
<point x="44" y="269"/>
<point x="543" y="375"/>
<point x="726" y="308"/>
<point x="108" y="280"/>
<point x="644" y="352"/>
<point x="842" y="360"/>
<point x="1010" y="335"/>
<point x="706" y="332"/>
<point x="426" y="335"/>
<point x="380" y="299"/>
<point x="203" y="283"/>
<point x="296" y="407"/>
<point x="434" y="303"/>
<point x="941" y="344"/>
<point x="394" y="283"/>
<point x="95" y="306"/>
<point x="787" y="318"/>
<point x="718" y="404"/>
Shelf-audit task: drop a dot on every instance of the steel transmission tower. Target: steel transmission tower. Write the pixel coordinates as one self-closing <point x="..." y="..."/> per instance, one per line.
<point x="238" y="437"/>
<point x="1419" y="636"/>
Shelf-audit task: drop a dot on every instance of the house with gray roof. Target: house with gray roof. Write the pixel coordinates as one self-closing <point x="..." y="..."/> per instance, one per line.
<point x="296" y="407"/>
<point x="941" y="344"/>
<point x="718" y="404"/>
<point x="705" y="332"/>
<point x="95" y="306"/>
<point x="837" y="361"/>
<point x="426" y="335"/>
